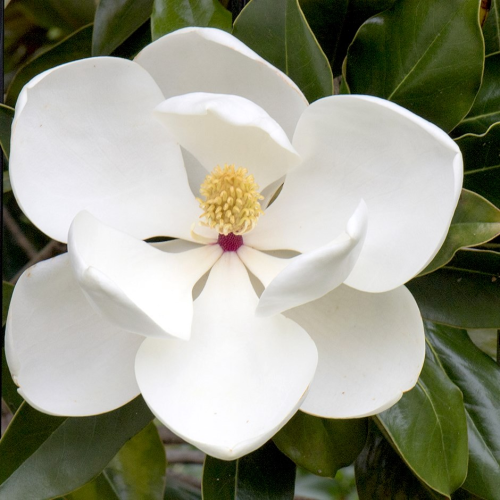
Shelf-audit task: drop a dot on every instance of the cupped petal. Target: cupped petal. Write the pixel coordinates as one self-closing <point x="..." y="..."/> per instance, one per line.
<point x="408" y="171"/>
<point x="238" y="380"/>
<point x="220" y="129"/>
<point x="84" y="137"/>
<point x="136" y="286"/>
<point x="371" y="349"/>
<point x="65" y="358"/>
<point x="308" y="276"/>
<point x="211" y="60"/>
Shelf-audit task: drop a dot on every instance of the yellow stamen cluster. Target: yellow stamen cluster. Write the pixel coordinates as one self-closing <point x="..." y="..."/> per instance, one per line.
<point x="231" y="200"/>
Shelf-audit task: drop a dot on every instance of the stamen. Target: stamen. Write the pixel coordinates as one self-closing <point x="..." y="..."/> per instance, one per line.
<point x="231" y="203"/>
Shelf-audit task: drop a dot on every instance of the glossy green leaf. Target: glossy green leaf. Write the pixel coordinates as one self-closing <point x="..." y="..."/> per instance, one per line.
<point x="45" y="456"/>
<point x="486" y="109"/>
<point x="463" y="294"/>
<point x="321" y="445"/>
<point x="478" y="377"/>
<point x="98" y="489"/>
<point x="9" y="390"/>
<point x="278" y="31"/>
<point x="485" y="339"/>
<point x="135" y="42"/>
<point x="265" y="474"/>
<point x="326" y="19"/>
<point x="481" y="155"/>
<point x="382" y="475"/>
<point x="491" y="29"/>
<point x="426" y="55"/>
<point x="219" y="479"/>
<point x="6" y="180"/>
<point x="115" y="21"/>
<point x="67" y="15"/>
<point x="475" y="221"/>
<point x="76" y="46"/>
<point x="477" y="260"/>
<point x="428" y="429"/>
<point x="137" y="472"/>
<point x="311" y="487"/>
<point x="6" y="117"/>
<point x="171" y="15"/>
<point x="335" y="22"/>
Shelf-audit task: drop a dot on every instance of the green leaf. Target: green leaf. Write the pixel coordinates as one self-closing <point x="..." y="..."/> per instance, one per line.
<point x="382" y="475"/>
<point x="265" y="474"/>
<point x="478" y="377"/>
<point x="9" y="390"/>
<point x="135" y="42"/>
<point x="6" y="117"/>
<point x="321" y="445"/>
<point x="335" y="22"/>
<point x="171" y="15"/>
<point x="278" y="31"/>
<point x="481" y="155"/>
<point x="491" y="29"/>
<point x="475" y="222"/>
<point x="45" y="456"/>
<point x="6" y="180"/>
<point x="428" y="429"/>
<point x="326" y="19"/>
<point x="67" y="15"/>
<point x="486" y="109"/>
<point x="463" y="294"/>
<point x="76" y="46"/>
<point x="98" y="489"/>
<point x="137" y="472"/>
<point x="138" y="469"/>
<point x="426" y="55"/>
<point x="115" y="21"/>
<point x="486" y="339"/>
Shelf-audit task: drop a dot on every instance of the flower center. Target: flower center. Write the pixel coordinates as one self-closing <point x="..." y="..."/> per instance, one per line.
<point x="230" y="243"/>
<point x="231" y="203"/>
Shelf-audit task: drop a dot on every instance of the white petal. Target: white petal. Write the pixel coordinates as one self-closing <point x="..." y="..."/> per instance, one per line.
<point x="65" y="358"/>
<point x="84" y="137"/>
<point x="210" y="60"/>
<point x="238" y="380"/>
<point x="222" y="129"/>
<point x="135" y="285"/>
<point x="371" y="349"/>
<point x="313" y="274"/>
<point x="357" y="147"/>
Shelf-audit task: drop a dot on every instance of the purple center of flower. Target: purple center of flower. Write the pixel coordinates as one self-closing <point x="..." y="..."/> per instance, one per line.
<point x="230" y="242"/>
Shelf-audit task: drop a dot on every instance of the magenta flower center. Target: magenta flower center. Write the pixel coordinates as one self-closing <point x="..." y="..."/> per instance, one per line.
<point x="230" y="242"/>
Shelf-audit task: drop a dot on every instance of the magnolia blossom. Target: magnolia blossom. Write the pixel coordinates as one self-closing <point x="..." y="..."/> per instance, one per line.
<point x="292" y="226"/>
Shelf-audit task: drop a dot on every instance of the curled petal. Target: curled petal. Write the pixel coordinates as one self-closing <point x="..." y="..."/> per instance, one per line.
<point x="133" y="284"/>
<point x="238" y="380"/>
<point x="217" y="62"/>
<point x="371" y="349"/>
<point x="65" y="358"/>
<point x="85" y="138"/>
<point x="311" y="275"/>
<point x="408" y="171"/>
<point x="227" y="129"/>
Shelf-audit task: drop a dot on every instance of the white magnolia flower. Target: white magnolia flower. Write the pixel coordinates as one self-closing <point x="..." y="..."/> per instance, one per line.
<point x="108" y="152"/>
